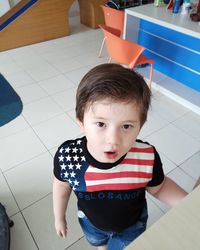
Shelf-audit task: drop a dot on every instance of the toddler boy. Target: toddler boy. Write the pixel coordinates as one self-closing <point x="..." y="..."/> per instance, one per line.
<point x="109" y="169"/>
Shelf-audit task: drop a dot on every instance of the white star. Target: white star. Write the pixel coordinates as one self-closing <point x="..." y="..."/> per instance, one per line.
<point x="82" y="158"/>
<point x="74" y="188"/>
<point x="61" y="150"/>
<point x="72" y="174"/>
<point x="78" y="142"/>
<point x="81" y="150"/>
<point x="70" y="182"/>
<point x="74" y="150"/>
<point x="68" y="158"/>
<point x="78" y="166"/>
<point x="61" y="158"/>
<point x="75" y="158"/>
<point x="63" y="166"/>
<point x="76" y="183"/>
<point x="70" y="166"/>
<point x="67" y="150"/>
<point x="66" y="174"/>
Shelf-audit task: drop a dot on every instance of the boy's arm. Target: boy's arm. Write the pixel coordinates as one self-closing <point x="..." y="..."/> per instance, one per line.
<point x="168" y="191"/>
<point x="61" y="195"/>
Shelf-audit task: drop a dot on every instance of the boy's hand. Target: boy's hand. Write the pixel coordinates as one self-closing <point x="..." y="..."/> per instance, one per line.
<point x="61" y="228"/>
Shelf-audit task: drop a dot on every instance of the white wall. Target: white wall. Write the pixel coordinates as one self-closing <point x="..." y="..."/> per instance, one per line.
<point x="13" y="2"/>
<point x="74" y="10"/>
<point x="4" y="6"/>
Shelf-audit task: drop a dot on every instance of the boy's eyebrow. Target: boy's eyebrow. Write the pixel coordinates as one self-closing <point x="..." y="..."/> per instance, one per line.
<point x="99" y="117"/>
<point x="132" y="121"/>
<point x="103" y="118"/>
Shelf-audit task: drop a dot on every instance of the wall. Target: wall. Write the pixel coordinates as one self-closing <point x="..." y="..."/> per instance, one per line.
<point x="74" y="10"/>
<point x="4" y="7"/>
<point x="13" y="2"/>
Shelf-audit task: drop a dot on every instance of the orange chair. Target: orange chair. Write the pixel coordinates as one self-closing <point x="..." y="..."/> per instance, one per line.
<point x="114" y="19"/>
<point x="125" y="52"/>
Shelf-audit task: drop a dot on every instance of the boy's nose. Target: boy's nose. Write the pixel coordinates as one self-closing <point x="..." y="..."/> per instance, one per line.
<point x="113" y="137"/>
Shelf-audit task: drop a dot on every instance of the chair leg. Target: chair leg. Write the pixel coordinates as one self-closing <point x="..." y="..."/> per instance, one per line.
<point x="151" y="75"/>
<point x="102" y="45"/>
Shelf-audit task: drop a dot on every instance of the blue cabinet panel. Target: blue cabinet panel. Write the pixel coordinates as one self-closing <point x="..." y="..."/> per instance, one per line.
<point x="171" y="35"/>
<point x="173" y="52"/>
<point x="175" y="71"/>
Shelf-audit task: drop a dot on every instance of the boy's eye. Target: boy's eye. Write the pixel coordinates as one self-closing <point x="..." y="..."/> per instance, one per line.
<point x="100" y="124"/>
<point x="127" y="126"/>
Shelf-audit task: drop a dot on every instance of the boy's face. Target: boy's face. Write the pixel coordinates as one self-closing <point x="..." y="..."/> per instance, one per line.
<point x="111" y="129"/>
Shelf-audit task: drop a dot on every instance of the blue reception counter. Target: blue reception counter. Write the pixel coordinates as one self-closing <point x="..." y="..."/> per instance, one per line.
<point x="173" y="40"/>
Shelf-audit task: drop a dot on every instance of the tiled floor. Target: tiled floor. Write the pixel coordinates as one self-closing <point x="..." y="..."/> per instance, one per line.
<point x="46" y="75"/>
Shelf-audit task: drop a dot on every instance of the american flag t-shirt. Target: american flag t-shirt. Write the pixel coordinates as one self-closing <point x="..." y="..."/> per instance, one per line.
<point x="134" y="171"/>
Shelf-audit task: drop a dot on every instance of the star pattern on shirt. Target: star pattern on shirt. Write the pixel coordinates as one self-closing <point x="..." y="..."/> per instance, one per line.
<point x="71" y="160"/>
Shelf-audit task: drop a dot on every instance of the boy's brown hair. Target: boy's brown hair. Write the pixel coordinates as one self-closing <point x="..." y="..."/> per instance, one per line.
<point x="114" y="82"/>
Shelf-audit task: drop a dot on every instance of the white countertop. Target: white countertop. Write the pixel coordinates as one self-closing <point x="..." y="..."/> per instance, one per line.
<point x="164" y="17"/>
<point x="177" y="229"/>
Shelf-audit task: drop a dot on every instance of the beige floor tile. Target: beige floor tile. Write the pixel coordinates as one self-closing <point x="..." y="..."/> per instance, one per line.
<point x="77" y="75"/>
<point x="154" y="212"/>
<point x="191" y="166"/>
<point x="42" y="71"/>
<point x="31" y="93"/>
<point x="21" y="238"/>
<point x="14" y="126"/>
<point x="168" y="109"/>
<point x="182" y="179"/>
<point x="55" y="131"/>
<point x="192" y="128"/>
<point x="41" y="110"/>
<point x="168" y="165"/>
<point x="66" y="99"/>
<point x="154" y="123"/>
<point x="174" y="143"/>
<point x="41" y="222"/>
<point x="19" y="148"/>
<point x="56" y="84"/>
<point x="32" y="180"/>
<point x="19" y="79"/>
<point x="6" y="197"/>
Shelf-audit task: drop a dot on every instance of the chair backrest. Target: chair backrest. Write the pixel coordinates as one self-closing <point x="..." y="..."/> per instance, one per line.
<point x="122" y="51"/>
<point x="113" y="18"/>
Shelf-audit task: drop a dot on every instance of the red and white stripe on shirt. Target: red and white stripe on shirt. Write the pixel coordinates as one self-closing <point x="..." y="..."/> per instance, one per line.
<point x="135" y="171"/>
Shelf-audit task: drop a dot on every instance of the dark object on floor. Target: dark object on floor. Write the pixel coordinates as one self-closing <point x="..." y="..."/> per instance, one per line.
<point x="5" y="224"/>
<point x="122" y="4"/>
<point x="196" y="16"/>
<point x="10" y="103"/>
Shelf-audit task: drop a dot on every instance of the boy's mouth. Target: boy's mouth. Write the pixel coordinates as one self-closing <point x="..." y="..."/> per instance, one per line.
<point x="111" y="154"/>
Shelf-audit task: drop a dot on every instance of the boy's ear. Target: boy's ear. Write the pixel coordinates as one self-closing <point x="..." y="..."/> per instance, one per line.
<point x="80" y="124"/>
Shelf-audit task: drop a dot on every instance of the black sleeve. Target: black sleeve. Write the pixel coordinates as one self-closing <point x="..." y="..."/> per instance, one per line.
<point x="158" y="174"/>
<point x="56" y="169"/>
